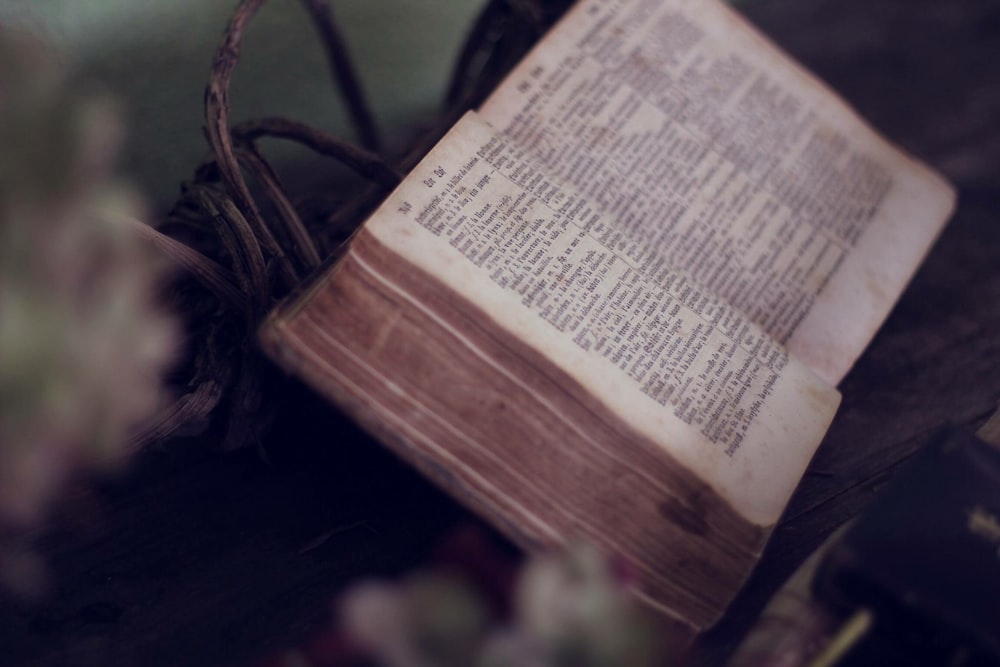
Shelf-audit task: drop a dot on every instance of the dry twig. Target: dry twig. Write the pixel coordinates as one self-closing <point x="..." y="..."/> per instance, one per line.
<point x="244" y="262"/>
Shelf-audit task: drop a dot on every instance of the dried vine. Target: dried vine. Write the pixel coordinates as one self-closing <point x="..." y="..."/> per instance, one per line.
<point x="243" y="248"/>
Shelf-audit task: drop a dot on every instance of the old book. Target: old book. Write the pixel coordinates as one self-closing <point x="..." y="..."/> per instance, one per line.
<point x="614" y="304"/>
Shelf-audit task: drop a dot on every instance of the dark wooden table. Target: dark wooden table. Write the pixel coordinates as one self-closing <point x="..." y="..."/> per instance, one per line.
<point x="196" y="558"/>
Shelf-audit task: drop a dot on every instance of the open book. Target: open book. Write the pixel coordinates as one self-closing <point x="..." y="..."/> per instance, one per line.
<point x="614" y="304"/>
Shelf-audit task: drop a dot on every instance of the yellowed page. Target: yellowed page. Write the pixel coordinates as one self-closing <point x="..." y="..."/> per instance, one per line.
<point x="708" y="150"/>
<point x="676" y="362"/>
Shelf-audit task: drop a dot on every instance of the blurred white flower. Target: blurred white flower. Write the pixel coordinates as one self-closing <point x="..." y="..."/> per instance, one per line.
<point x="570" y="610"/>
<point x="574" y="607"/>
<point x="83" y="339"/>
<point x="428" y="620"/>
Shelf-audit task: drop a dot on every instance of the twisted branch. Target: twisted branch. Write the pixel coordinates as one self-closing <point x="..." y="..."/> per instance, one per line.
<point x="365" y="163"/>
<point x="243" y="266"/>
<point x="343" y="74"/>
<point x="217" y="128"/>
<point x="301" y="243"/>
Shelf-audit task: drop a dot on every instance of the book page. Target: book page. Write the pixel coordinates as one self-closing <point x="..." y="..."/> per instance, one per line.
<point x="675" y="361"/>
<point x="710" y="151"/>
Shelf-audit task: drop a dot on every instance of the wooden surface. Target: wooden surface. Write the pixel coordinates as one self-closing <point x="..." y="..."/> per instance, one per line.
<point x="200" y="559"/>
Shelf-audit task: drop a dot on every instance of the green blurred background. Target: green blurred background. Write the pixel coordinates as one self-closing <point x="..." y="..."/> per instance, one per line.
<point x="155" y="56"/>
